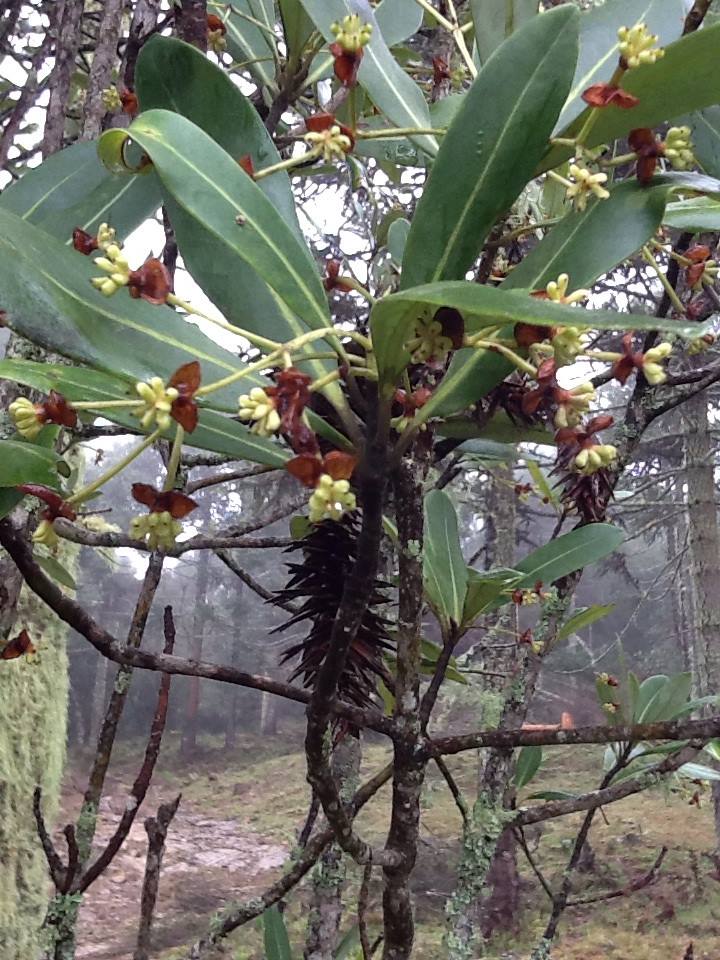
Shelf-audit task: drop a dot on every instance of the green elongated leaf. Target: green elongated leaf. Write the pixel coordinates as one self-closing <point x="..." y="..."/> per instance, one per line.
<point x="172" y="75"/>
<point x="585" y="246"/>
<point x="589" y="244"/>
<point x="646" y="691"/>
<point x="668" y="699"/>
<point x="275" y="937"/>
<point x="430" y="652"/>
<point x="698" y="771"/>
<point x="528" y="764"/>
<point x="599" y="41"/>
<point x="583" y="618"/>
<point x="214" y="431"/>
<point x="496" y="20"/>
<point x="541" y="482"/>
<point x="696" y="215"/>
<point x="392" y="91"/>
<point x="484" y="588"/>
<point x="568" y="553"/>
<point x="552" y="795"/>
<point x="49" y="299"/>
<point x="490" y="450"/>
<point x="705" y="126"/>
<point x="393" y="319"/>
<point x="398" y="19"/>
<point x="444" y="570"/>
<point x="633" y="693"/>
<point x="349" y="945"/>
<point x="713" y="749"/>
<point x="685" y="80"/>
<point x="247" y="42"/>
<point x="56" y="571"/>
<point x="490" y="150"/>
<point x="397" y="238"/>
<point x="22" y="462"/>
<point x="72" y="189"/>
<point x="297" y="26"/>
<point x="226" y="214"/>
<point x="500" y="429"/>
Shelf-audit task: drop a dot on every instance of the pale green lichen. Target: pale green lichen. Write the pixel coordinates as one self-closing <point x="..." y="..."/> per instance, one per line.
<point x="479" y="841"/>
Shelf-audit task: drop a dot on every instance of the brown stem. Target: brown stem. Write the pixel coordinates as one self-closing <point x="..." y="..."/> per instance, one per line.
<point x="409" y="772"/>
<point x="696" y="15"/>
<point x="139" y="788"/>
<point x="191" y="21"/>
<point x="157" y="829"/>
<point x="80" y="620"/>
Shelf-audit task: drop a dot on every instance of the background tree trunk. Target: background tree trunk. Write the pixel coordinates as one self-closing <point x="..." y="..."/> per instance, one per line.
<point x="188" y="744"/>
<point x="704" y="542"/>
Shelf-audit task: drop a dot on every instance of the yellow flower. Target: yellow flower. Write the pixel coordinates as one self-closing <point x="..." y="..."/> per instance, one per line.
<point x="259" y="409"/>
<point x="429" y="342"/>
<point x="330" y="499"/>
<point x="585" y="183"/>
<point x="352" y="33"/>
<point x="652" y="363"/>
<point x="595" y="458"/>
<point x="334" y="144"/>
<point x="570" y="413"/>
<point x="567" y="344"/>
<point x="24" y="415"/>
<point x="106" y="237"/>
<point x="638" y="46"/>
<point x="557" y="291"/>
<point x="679" y="148"/>
<point x="45" y="534"/>
<point x="117" y="268"/>
<point x="111" y="99"/>
<point x="158" y="530"/>
<point x="158" y="400"/>
<point x="216" y="41"/>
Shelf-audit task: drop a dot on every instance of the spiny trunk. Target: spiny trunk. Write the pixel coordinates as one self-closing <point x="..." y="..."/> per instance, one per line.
<point x="329" y="876"/>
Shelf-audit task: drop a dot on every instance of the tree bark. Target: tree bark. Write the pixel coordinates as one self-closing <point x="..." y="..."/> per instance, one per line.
<point x="188" y="743"/>
<point x="68" y="17"/>
<point x="103" y="63"/>
<point x="704" y="542"/>
<point x="329" y="876"/>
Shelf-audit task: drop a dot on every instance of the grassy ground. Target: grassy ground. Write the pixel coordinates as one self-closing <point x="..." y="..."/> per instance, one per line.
<point x="263" y="786"/>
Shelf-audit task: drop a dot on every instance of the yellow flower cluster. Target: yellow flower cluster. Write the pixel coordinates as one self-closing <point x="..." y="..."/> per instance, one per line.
<point x="330" y="499"/>
<point x="117" y="268"/>
<point x="332" y="143"/>
<point x="569" y="414"/>
<point x="259" y="409"/>
<point x="429" y="342"/>
<point x="594" y="458"/>
<point x="584" y="184"/>
<point x="638" y="46"/>
<point x="158" y="530"/>
<point x="557" y="291"/>
<point x="352" y="33"/>
<point x="24" y="415"/>
<point x="652" y="363"/>
<point x="158" y="400"/>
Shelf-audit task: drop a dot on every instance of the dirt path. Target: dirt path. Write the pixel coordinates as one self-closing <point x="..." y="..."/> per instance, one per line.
<point x="208" y="863"/>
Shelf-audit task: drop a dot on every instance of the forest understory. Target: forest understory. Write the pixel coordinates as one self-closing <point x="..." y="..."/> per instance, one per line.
<point x="232" y="833"/>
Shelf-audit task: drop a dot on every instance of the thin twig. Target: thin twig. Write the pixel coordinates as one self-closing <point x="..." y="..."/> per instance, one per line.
<point x="156" y="828"/>
<point x="362" y="909"/>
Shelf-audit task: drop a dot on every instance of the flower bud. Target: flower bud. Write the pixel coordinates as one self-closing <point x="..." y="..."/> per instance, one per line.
<point x="333" y="143"/>
<point x="557" y="291"/>
<point x="158" y="530"/>
<point x="259" y="409"/>
<point x="638" y="46"/>
<point x="158" y="400"/>
<point x="330" y="499"/>
<point x="652" y="367"/>
<point x="429" y="342"/>
<point x="584" y="184"/>
<point x="351" y="33"/>
<point x="678" y="148"/>
<point x="27" y="417"/>
<point x="45" y="534"/>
